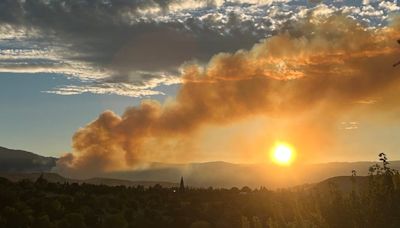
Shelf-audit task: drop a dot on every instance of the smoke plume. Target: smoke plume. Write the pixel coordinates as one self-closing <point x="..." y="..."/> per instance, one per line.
<point x="317" y="69"/>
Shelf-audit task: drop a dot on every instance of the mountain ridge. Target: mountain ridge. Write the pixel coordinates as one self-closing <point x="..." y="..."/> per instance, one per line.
<point x="214" y="173"/>
<point x="57" y="178"/>
<point x="24" y="161"/>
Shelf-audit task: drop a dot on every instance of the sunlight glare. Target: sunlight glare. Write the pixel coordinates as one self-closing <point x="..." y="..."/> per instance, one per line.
<point x="283" y="154"/>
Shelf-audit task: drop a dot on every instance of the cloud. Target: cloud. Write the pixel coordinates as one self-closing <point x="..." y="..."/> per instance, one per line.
<point x="96" y="36"/>
<point x="102" y="40"/>
<point x="310" y="73"/>
<point x="140" y="89"/>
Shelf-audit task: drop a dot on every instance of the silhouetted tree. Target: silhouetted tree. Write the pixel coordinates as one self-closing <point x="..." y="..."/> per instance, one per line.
<point x="61" y="205"/>
<point x="182" y="186"/>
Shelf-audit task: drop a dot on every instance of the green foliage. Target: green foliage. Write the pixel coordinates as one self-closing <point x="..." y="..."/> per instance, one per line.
<point x="72" y="220"/>
<point x="62" y="205"/>
<point x="200" y="224"/>
<point x="115" y="220"/>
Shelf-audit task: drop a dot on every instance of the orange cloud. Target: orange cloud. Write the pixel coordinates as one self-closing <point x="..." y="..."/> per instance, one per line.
<point x="315" y="69"/>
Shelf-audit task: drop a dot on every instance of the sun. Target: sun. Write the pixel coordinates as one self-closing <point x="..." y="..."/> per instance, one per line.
<point x="283" y="154"/>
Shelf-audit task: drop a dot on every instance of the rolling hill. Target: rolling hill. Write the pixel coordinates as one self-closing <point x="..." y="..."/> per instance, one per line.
<point x="215" y="174"/>
<point x="57" y="178"/>
<point x="223" y="174"/>
<point x="24" y="161"/>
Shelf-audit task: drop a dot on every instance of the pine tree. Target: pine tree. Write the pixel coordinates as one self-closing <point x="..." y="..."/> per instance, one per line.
<point x="182" y="185"/>
<point x="41" y="181"/>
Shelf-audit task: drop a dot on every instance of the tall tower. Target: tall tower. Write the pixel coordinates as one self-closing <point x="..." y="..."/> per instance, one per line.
<point x="182" y="186"/>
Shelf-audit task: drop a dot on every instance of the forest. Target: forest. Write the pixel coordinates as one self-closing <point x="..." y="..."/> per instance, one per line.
<point x="42" y="204"/>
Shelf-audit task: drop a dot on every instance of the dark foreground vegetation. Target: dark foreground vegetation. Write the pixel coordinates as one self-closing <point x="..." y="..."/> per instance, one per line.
<point x="42" y="204"/>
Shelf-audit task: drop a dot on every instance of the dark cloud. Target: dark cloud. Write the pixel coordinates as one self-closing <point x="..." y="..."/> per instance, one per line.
<point x="129" y="41"/>
<point x="113" y="34"/>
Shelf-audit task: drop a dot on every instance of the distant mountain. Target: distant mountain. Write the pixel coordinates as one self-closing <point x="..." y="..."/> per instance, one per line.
<point x="343" y="183"/>
<point x="215" y="174"/>
<point x="223" y="174"/>
<point x="118" y="182"/>
<point x="24" y="161"/>
<point x="56" y="178"/>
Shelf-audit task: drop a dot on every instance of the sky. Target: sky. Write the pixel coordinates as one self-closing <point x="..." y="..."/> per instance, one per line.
<point x="110" y="84"/>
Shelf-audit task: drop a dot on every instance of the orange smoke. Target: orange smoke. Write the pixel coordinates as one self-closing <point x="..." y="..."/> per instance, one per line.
<point x="316" y="67"/>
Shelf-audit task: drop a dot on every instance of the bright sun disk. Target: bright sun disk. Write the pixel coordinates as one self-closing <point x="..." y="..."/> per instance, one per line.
<point x="283" y="154"/>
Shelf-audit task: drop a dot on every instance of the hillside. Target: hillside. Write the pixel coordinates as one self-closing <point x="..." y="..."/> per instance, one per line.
<point x="56" y="178"/>
<point x="344" y="184"/>
<point x="223" y="174"/>
<point x="216" y="174"/>
<point x="24" y="161"/>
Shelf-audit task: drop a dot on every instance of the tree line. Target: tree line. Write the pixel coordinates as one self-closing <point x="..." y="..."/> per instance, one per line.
<point x="42" y="204"/>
